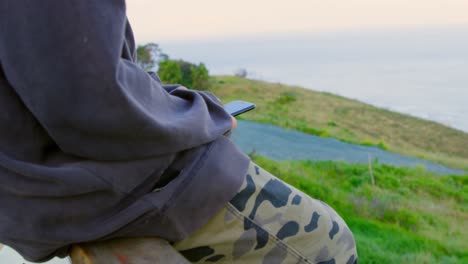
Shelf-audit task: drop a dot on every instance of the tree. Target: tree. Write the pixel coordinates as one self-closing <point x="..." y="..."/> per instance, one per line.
<point x="149" y="55"/>
<point x="184" y="73"/>
<point x="186" y="68"/>
<point x="200" y="77"/>
<point x="169" y="71"/>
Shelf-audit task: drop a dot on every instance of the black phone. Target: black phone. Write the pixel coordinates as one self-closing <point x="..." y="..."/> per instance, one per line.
<point x="238" y="107"/>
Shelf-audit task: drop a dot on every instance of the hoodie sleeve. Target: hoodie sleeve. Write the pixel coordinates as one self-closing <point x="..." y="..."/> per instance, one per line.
<point x="64" y="60"/>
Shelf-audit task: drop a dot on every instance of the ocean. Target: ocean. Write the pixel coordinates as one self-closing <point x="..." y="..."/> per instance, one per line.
<point x="420" y="72"/>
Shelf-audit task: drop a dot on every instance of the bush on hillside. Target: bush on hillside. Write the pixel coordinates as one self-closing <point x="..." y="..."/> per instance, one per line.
<point x="170" y="72"/>
<point x="200" y="77"/>
<point x="184" y="73"/>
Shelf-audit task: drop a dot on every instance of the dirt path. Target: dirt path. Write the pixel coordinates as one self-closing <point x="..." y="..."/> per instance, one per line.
<point x="280" y="144"/>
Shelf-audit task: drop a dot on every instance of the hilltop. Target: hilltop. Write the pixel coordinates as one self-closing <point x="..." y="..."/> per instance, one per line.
<point x="329" y="115"/>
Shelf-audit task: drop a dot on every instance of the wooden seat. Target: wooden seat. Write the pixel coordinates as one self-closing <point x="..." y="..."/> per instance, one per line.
<point x="127" y="251"/>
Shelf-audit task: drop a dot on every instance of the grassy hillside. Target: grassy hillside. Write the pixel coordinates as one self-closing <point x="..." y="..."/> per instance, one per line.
<point x="349" y="120"/>
<point x="408" y="216"/>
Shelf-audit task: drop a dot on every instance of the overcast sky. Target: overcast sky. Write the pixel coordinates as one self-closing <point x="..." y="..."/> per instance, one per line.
<point x="157" y="20"/>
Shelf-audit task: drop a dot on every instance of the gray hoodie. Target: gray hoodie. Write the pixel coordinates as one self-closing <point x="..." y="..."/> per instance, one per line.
<point x="91" y="146"/>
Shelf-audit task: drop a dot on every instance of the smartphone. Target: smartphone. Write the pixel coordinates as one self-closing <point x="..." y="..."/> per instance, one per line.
<point x="238" y="107"/>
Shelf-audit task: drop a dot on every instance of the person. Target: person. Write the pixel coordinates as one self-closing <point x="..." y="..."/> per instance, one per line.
<point x="93" y="148"/>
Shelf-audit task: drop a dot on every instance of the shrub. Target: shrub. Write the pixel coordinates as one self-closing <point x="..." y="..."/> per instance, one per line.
<point x="286" y="97"/>
<point x="184" y="73"/>
<point x="170" y="72"/>
<point x="200" y="77"/>
<point x="380" y="144"/>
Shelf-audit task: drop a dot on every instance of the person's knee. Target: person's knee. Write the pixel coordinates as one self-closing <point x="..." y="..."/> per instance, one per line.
<point x="341" y="245"/>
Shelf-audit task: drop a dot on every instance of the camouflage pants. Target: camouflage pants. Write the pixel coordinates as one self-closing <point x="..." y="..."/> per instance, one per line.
<point x="271" y="222"/>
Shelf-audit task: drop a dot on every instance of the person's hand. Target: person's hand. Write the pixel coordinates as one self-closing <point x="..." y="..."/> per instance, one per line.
<point x="234" y="122"/>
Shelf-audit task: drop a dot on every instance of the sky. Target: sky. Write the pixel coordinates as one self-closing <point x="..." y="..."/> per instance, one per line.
<point x="175" y="20"/>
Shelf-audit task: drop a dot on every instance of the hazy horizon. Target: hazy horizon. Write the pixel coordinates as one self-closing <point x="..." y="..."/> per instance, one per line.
<point x="417" y="72"/>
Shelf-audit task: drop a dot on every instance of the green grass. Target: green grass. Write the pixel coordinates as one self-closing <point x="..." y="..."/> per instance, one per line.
<point x="328" y="115"/>
<point x="408" y="216"/>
